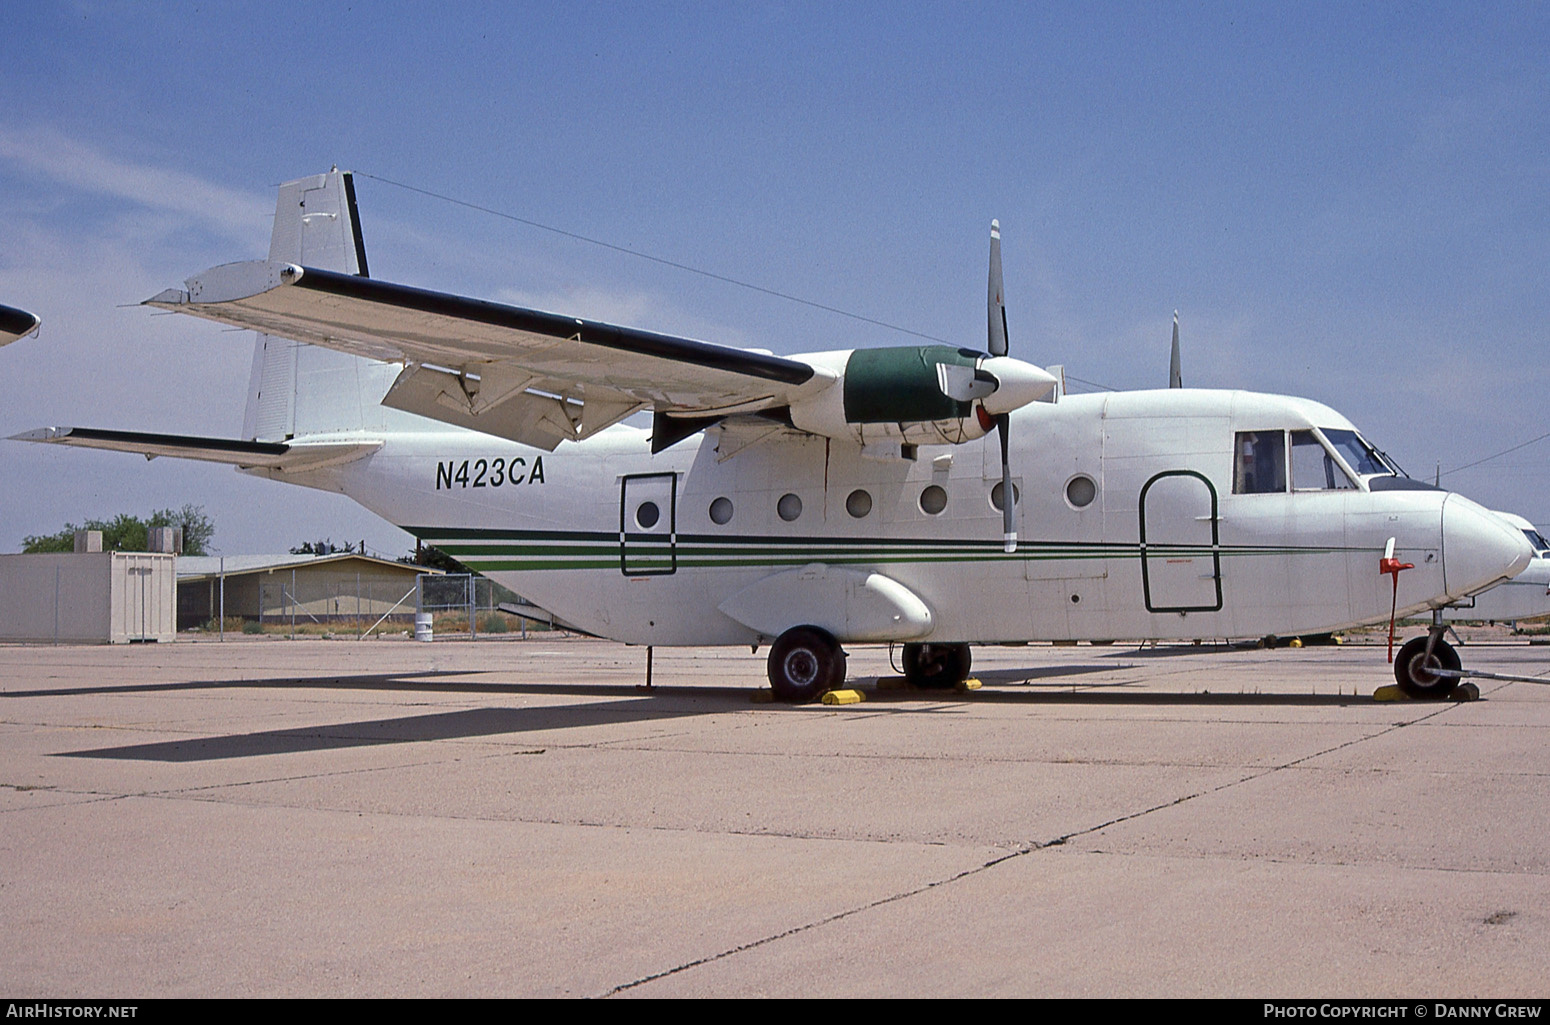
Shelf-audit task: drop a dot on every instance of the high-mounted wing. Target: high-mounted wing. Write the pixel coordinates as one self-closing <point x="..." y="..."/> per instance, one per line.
<point x="534" y="377"/>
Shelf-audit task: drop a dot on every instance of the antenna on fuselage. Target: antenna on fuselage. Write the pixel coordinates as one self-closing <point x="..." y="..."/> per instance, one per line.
<point x="1175" y="377"/>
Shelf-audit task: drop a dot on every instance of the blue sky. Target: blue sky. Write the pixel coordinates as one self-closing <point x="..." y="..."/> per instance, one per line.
<point x="1345" y="202"/>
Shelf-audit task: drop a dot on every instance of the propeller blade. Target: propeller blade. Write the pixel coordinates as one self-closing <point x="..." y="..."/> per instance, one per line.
<point x="996" y="322"/>
<point x="996" y="312"/>
<point x="1175" y="377"/>
<point x="1008" y="496"/>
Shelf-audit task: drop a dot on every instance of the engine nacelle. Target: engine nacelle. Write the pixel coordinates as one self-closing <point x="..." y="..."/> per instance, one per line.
<point x="918" y="394"/>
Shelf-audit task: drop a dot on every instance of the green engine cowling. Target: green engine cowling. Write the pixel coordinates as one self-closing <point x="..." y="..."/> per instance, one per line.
<point x="895" y="394"/>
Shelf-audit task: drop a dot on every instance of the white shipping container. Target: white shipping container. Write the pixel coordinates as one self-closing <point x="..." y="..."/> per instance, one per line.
<point x="88" y="598"/>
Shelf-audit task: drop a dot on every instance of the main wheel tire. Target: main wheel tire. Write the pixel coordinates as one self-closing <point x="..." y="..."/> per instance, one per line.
<point x="805" y="662"/>
<point x="936" y="666"/>
<point x="1411" y="668"/>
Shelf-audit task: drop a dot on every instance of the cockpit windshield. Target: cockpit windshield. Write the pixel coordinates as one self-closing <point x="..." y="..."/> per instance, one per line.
<point x="1359" y="455"/>
<point x="1535" y="538"/>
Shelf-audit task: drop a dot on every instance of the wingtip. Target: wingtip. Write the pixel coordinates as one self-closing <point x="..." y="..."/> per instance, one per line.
<point x="41" y="434"/>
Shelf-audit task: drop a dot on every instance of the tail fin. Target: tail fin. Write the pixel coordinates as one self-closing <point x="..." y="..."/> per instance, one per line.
<point x="297" y="389"/>
<point x="316" y="224"/>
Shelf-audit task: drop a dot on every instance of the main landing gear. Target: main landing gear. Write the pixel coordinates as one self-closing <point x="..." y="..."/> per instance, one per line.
<point x="1415" y="665"/>
<point x="805" y="662"/>
<point x="936" y="666"/>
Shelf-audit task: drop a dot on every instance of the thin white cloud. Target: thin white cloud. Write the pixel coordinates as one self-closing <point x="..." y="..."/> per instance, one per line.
<point x="47" y="153"/>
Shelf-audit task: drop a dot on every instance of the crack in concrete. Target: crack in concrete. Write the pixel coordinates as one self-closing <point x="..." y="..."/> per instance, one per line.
<point x="818" y="923"/>
<point x="1021" y="851"/>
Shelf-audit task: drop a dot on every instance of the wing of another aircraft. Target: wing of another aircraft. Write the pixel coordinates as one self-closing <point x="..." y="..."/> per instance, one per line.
<point x="16" y="324"/>
<point x="534" y="377"/>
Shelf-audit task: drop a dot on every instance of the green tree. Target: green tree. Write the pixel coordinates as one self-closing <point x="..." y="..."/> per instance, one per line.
<point x="326" y="546"/>
<point x="198" y="529"/>
<point x="126" y="533"/>
<point x="435" y="558"/>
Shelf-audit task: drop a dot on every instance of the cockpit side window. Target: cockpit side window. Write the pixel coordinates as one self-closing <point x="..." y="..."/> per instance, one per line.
<point x="1537" y="539"/>
<point x="1259" y="462"/>
<point x="1359" y="455"/>
<point x="1313" y="468"/>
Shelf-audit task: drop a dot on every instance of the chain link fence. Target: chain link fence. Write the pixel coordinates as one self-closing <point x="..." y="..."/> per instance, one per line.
<point x="468" y="605"/>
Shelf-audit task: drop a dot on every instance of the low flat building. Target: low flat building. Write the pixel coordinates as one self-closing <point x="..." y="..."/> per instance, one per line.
<point x="91" y="597"/>
<point x="309" y="588"/>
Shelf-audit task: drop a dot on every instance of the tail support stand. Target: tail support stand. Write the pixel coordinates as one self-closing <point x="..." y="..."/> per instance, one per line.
<point x="648" y="666"/>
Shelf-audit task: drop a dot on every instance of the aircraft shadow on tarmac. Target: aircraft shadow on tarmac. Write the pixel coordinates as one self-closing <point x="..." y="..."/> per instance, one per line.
<point x="629" y="704"/>
<point x="459" y="725"/>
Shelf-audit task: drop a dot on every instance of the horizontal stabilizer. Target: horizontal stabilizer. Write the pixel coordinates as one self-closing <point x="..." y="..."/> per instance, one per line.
<point x="288" y="457"/>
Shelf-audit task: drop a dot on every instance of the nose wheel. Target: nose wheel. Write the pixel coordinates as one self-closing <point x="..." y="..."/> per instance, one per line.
<point x="1427" y="667"/>
<point x="1415" y="664"/>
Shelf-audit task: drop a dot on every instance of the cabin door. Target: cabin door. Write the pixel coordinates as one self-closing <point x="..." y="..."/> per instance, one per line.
<point x="648" y="524"/>
<point x="1181" y="559"/>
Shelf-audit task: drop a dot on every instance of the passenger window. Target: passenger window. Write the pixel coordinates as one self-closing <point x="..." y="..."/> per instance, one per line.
<point x="1259" y="462"/>
<point x="1313" y="468"/>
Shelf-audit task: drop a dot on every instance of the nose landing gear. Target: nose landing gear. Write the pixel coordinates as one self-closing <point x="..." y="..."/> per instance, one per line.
<point x="1417" y="664"/>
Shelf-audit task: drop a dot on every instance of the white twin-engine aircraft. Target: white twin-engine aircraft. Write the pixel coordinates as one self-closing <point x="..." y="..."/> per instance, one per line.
<point x="816" y="500"/>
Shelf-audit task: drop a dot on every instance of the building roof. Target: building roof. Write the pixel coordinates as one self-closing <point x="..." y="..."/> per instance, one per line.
<point x="193" y="567"/>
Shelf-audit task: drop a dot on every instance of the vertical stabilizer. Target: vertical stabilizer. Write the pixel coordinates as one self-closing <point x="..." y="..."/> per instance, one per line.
<point x="316" y="224"/>
<point x="298" y="389"/>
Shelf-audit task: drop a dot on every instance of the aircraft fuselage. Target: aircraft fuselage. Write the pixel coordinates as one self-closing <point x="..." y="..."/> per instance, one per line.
<point x="1129" y="514"/>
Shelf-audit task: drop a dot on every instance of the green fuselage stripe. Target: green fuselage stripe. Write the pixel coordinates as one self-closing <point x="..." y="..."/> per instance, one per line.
<point x="531" y="551"/>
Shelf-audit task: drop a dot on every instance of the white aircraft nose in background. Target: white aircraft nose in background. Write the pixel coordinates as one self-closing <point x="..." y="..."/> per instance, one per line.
<point x="1478" y="547"/>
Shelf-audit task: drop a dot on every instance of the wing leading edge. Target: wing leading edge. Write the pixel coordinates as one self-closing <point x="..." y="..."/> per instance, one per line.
<point x="534" y="377"/>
